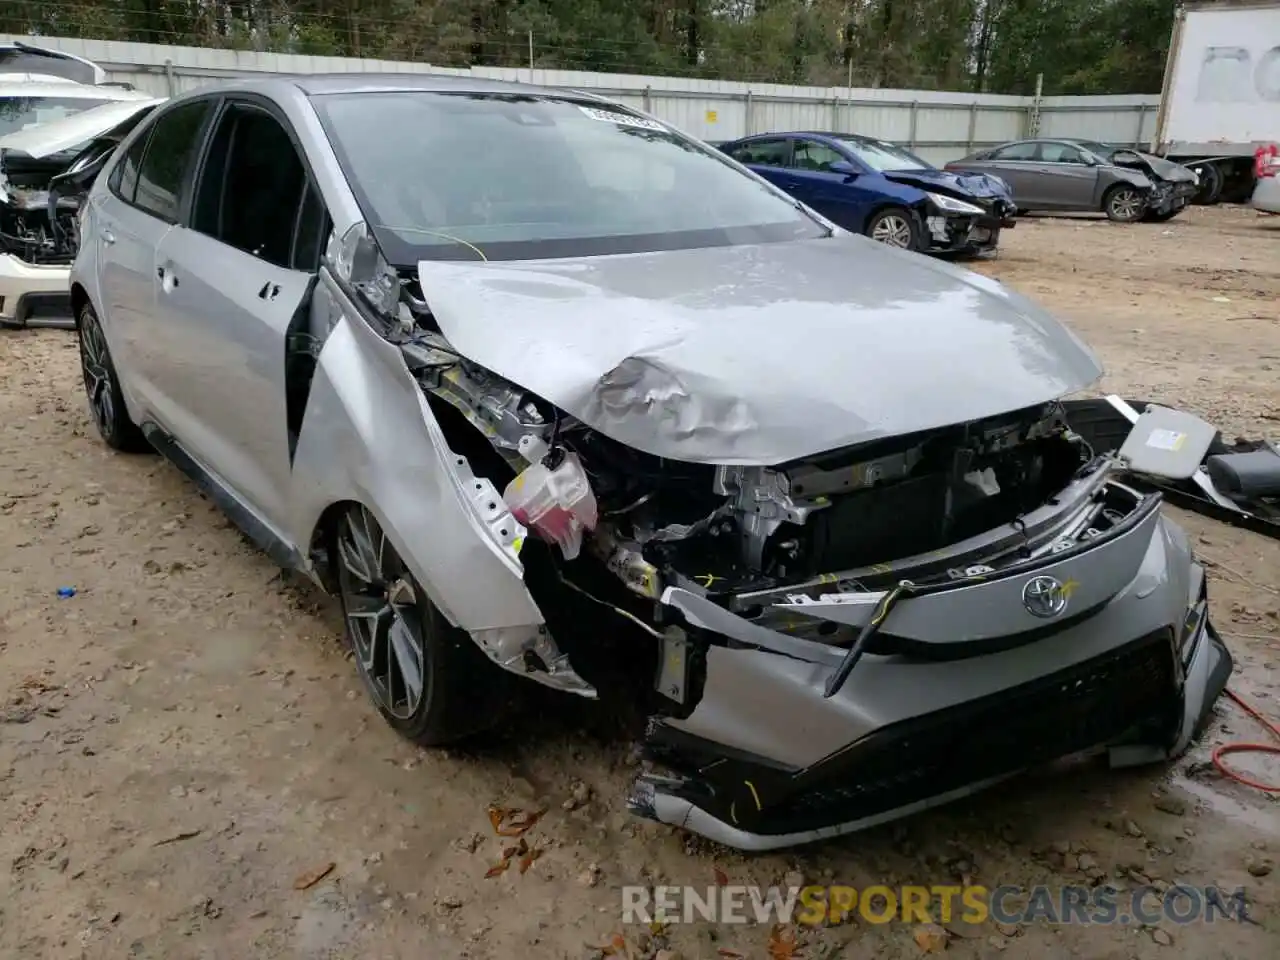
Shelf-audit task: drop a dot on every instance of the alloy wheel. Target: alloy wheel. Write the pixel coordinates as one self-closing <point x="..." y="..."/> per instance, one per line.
<point x="95" y="365"/>
<point x="1126" y="205"/>
<point x="380" y="600"/>
<point x="894" y="230"/>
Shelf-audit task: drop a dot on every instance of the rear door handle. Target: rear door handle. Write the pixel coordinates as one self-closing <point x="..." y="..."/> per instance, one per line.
<point x="269" y="291"/>
<point x="168" y="279"/>
<point x="108" y="237"/>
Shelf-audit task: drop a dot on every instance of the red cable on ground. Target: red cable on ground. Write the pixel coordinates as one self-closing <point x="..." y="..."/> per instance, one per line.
<point x="1230" y="748"/>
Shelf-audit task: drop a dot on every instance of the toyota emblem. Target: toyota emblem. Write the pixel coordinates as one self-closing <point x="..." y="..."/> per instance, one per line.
<point x="1044" y="597"/>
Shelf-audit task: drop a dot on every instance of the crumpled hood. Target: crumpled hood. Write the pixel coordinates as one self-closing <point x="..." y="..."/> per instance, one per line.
<point x="757" y="354"/>
<point x="1165" y="169"/>
<point x="959" y="185"/>
<point x="45" y="139"/>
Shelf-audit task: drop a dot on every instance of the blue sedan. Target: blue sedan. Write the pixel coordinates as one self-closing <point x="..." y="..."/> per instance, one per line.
<point x="879" y="189"/>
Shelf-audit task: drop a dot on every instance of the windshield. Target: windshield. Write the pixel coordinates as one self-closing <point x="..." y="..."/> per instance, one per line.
<point x="19" y="113"/>
<point x="517" y="176"/>
<point x="881" y="156"/>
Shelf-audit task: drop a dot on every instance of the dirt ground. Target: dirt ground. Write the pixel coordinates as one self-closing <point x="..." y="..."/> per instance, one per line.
<point x="183" y="743"/>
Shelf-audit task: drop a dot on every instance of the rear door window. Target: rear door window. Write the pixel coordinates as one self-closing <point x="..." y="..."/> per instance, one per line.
<point x="1060" y="153"/>
<point x="1015" y="151"/>
<point x="170" y="149"/>
<point x="764" y="153"/>
<point x="124" y="178"/>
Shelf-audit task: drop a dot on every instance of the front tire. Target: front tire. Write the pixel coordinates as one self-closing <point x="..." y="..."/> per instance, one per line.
<point x="427" y="678"/>
<point x="1212" y="181"/>
<point x="1123" y="204"/>
<point x="102" y="387"/>
<point x="894" y="227"/>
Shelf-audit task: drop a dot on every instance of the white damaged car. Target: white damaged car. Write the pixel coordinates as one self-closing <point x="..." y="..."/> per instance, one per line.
<point x="54" y="136"/>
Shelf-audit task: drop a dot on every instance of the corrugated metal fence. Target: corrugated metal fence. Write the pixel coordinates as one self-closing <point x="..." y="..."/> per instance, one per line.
<point x="940" y="126"/>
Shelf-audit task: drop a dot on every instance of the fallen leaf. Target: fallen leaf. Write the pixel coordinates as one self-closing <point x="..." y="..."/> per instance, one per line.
<point x="730" y="954"/>
<point x="311" y="878"/>
<point x="520" y="822"/>
<point x="497" y="868"/>
<point x="782" y="943"/>
<point x="509" y="852"/>
<point x="522" y="847"/>
<point x="930" y="937"/>
<point x="496" y="816"/>
<point x="722" y="878"/>
<point x="526" y="861"/>
<point x="617" y="945"/>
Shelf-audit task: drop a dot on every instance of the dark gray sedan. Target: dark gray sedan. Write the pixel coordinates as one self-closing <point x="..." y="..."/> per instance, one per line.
<point x="1084" y="175"/>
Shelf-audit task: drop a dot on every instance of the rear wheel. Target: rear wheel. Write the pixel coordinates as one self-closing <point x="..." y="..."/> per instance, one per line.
<point x="427" y="678"/>
<point x="894" y="227"/>
<point x="1123" y="204"/>
<point x="102" y="387"/>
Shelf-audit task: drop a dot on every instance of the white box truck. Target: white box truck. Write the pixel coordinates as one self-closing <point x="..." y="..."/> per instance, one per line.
<point x="1221" y="97"/>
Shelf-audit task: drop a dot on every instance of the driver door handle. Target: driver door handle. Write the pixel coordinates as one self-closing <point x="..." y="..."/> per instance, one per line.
<point x="108" y="237"/>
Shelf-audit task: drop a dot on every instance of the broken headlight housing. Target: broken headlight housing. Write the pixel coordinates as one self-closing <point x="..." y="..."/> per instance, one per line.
<point x="952" y="205"/>
<point x="354" y="259"/>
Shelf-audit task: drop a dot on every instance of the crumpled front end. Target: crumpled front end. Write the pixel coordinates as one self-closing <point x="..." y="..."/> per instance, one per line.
<point x="972" y="233"/>
<point x="980" y="206"/>
<point x="1089" y="632"/>
<point x="45" y="173"/>
<point x="851" y="597"/>
<point x="35" y="246"/>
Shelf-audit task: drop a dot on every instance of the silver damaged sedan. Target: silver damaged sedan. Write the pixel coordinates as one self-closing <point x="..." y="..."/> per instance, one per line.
<point x="540" y="388"/>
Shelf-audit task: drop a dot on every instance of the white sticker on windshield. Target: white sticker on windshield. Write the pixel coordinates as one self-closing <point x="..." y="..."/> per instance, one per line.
<point x="626" y="119"/>
<point x="1166" y="440"/>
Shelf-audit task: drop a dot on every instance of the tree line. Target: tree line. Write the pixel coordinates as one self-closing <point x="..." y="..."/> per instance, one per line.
<point x="996" y="46"/>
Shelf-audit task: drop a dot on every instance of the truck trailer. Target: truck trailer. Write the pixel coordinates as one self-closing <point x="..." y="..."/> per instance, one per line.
<point x="1220" y="101"/>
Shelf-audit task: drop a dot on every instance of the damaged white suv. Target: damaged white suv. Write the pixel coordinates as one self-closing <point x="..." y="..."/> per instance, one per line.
<point x="541" y="388"/>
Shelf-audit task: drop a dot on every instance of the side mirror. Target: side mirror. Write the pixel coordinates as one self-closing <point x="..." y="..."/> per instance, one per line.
<point x="844" y="169"/>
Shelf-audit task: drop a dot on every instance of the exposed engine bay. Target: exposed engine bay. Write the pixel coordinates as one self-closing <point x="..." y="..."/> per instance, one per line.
<point x="39" y="200"/>
<point x="720" y="530"/>
<point x="40" y="195"/>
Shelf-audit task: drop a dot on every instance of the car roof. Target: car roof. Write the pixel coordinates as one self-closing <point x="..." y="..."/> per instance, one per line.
<point x="861" y="137"/>
<point x="320" y="84"/>
<point x="67" y="90"/>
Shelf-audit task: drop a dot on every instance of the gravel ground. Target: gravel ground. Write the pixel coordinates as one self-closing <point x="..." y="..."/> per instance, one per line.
<point x="183" y="744"/>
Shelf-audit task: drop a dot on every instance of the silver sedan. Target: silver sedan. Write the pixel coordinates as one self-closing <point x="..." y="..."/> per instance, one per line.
<point x="1084" y="175"/>
<point x="545" y="391"/>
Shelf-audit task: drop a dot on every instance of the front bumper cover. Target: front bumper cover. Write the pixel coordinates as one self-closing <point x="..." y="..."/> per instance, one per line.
<point x="1168" y="196"/>
<point x="34" y="295"/>
<point x="765" y="761"/>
